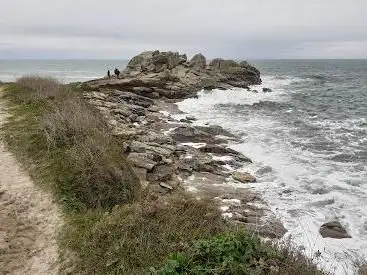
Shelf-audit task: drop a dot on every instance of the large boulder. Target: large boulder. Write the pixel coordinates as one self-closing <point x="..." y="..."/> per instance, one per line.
<point x="140" y="61"/>
<point x="236" y="74"/>
<point x="165" y="60"/>
<point x="223" y="65"/>
<point x="198" y="61"/>
<point x="334" y="230"/>
<point x="155" y="61"/>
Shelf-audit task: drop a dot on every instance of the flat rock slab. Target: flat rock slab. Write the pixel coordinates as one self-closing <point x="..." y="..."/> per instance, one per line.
<point x="141" y="160"/>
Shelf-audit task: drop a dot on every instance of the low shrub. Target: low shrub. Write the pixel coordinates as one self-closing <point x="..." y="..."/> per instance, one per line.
<point x="236" y="253"/>
<point x="131" y="238"/>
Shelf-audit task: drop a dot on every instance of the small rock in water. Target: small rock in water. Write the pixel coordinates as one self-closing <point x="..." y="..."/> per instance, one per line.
<point x="255" y="91"/>
<point x="264" y="170"/>
<point x="267" y="90"/>
<point x="333" y="230"/>
<point x="191" y="118"/>
<point x="183" y="120"/>
<point x="243" y="177"/>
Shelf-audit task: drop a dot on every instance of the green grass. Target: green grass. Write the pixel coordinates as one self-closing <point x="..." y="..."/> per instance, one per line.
<point x="236" y="253"/>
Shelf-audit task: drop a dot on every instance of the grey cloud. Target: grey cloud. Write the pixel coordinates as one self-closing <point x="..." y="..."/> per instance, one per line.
<point x="234" y="28"/>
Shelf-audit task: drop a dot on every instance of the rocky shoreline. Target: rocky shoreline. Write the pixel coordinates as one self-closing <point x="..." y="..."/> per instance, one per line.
<point x="168" y="153"/>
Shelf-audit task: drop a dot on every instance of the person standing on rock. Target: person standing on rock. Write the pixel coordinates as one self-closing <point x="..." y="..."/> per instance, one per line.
<point x="117" y="72"/>
<point x="108" y="74"/>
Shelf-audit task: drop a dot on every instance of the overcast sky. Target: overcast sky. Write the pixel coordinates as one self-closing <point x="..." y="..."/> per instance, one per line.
<point x="231" y="28"/>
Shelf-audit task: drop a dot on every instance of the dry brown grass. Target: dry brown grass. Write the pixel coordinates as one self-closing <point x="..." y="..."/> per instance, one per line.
<point x="70" y="120"/>
<point x="82" y="158"/>
<point x="41" y="87"/>
<point x="132" y="238"/>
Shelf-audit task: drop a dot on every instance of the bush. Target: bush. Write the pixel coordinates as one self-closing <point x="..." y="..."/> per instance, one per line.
<point x="132" y="238"/>
<point x="236" y="253"/>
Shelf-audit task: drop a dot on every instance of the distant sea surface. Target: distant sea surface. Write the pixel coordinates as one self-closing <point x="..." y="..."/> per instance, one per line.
<point x="65" y="71"/>
<point x="311" y="133"/>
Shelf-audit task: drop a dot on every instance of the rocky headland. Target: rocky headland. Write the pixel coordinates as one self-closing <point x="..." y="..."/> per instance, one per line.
<point x="155" y="74"/>
<point x="169" y="154"/>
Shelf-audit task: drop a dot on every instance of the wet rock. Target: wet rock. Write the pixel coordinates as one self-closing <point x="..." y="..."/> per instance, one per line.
<point x="267" y="90"/>
<point x="142" y="160"/>
<point x="220" y="150"/>
<point x="264" y="170"/>
<point x="185" y="120"/>
<point x="191" y="118"/>
<point x="334" y="230"/>
<point x="215" y="130"/>
<point x="243" y="177"/>
<point x="272" y="228"/>
<point x="255" y="91"/>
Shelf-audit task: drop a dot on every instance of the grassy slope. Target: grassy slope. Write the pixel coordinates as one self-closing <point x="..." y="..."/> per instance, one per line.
<point x="110" y="227"/>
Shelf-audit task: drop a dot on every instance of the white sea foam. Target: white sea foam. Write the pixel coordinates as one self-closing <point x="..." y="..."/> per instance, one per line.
<point x="302" y="187"/>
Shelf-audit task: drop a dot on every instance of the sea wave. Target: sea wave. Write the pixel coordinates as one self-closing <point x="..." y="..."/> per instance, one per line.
<point x="314" y="173"/>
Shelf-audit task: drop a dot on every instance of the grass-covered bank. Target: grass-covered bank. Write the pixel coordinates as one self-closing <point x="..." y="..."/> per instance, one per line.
<point x="111" y="225"/>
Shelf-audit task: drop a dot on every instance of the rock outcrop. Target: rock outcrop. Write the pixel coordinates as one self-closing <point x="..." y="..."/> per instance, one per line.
<point x="168" y="154"/>
<point x="155" y="74"/>
<point x="333" y="230"/>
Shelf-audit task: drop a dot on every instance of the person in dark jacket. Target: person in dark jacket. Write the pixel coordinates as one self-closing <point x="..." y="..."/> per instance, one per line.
<point x="117" y="72"/>
<point x="109" y="74"/>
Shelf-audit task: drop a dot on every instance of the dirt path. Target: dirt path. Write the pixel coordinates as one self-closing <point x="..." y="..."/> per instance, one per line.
<point x="28" y="219"/>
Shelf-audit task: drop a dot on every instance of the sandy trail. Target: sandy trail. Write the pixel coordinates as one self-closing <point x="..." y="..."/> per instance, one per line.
<point x="29" y="219"/>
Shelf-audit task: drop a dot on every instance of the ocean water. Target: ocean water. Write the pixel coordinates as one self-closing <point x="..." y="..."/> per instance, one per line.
<point x="65" y="71"/>
<point x="310" y="133"/>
